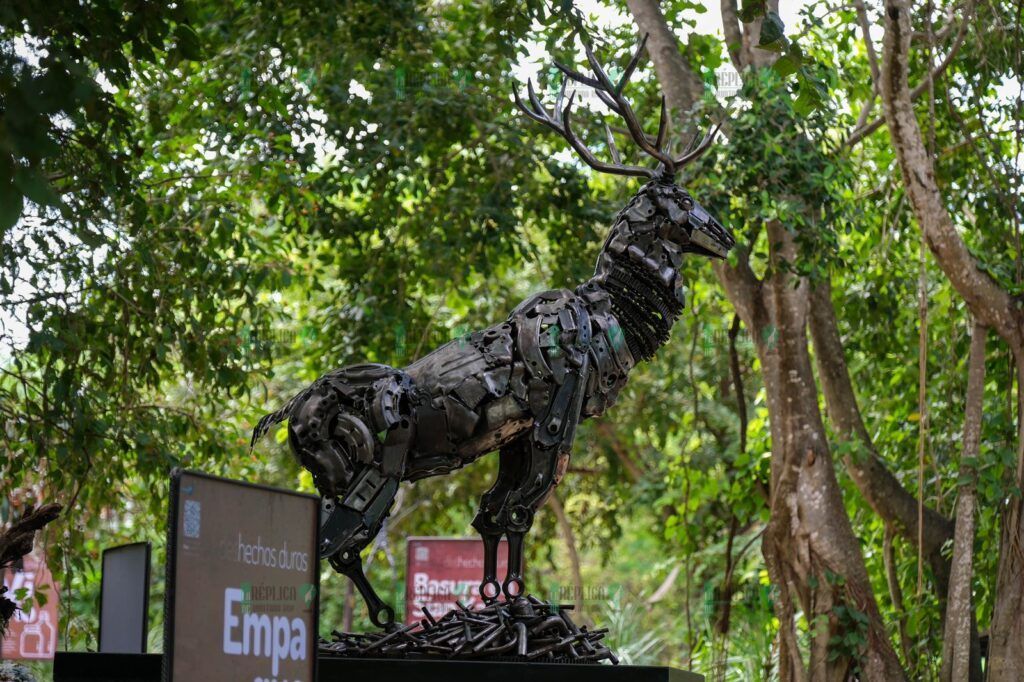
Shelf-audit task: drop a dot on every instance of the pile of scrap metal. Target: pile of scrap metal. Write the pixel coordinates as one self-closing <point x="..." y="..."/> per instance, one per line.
<point x="523" y="629"/>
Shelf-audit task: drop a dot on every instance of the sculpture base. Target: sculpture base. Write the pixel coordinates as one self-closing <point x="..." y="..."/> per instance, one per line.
<point x="404" y="670"/>
<point x="524" y="629"/>
<point x="76" y="666"/>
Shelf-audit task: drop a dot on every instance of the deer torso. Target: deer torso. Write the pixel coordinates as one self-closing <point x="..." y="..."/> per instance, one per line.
<point x="560" y="357"/>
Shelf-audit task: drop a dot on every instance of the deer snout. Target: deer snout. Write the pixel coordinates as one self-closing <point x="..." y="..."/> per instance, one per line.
<point x="709" y="235"/>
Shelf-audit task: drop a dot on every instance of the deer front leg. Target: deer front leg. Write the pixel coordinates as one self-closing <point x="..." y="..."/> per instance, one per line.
<point x="543" y="469"/>
<point x="501" y="513"/>
<point x="528" y="469"/>
<point x="490" y="520"/>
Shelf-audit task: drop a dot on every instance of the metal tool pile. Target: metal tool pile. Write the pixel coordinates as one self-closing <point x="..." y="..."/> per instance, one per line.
<point x="524" y="629"/>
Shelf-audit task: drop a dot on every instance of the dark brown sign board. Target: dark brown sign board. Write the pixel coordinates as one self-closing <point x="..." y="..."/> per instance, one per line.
<point x="243" y="581"/>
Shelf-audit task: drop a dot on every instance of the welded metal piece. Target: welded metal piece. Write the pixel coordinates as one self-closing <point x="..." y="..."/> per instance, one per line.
<point x="519" y="387"/>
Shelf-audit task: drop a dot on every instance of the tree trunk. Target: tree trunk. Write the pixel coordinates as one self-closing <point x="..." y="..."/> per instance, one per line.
<point x="810" y="546"/>
<point x="1006" y="634"/>
<point x="16" y="542"/>
<point x="570" y="545"/>
<point x="680" y="93"/>
<point x="956" y="643"/>
<point x="990" y="305"/>
<point x="349" y="608"/>
<point x="882" y="491"/>
<point x="812" y="554"/>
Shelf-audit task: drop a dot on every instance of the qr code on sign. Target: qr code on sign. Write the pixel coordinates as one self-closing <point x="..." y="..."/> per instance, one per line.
<point x="193" y="518"/>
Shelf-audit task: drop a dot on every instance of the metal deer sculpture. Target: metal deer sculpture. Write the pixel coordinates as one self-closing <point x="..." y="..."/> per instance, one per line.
<point x="519" y="387"/>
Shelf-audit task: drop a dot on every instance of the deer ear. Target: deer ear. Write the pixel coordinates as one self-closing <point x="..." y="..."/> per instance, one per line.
<point x="676" y="213"/>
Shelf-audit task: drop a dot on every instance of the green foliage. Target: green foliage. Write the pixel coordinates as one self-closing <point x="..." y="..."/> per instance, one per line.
<point x="204" y="205"/>
<point x="57" y="115"/>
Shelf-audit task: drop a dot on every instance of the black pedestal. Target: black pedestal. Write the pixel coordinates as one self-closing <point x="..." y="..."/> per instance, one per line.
<point x="87" y="667"/>
<point x="399" y="670"/>
<point x="75" y="666"/>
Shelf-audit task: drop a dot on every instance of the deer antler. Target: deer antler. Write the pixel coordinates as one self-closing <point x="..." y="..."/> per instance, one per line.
<point x="696" y="148"/>
<point x="560" y="120"/>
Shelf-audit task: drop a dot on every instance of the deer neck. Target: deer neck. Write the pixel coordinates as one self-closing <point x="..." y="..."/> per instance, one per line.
<point x="639" y="272"/>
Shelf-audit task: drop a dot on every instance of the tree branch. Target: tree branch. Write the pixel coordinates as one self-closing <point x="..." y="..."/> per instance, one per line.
<point x="956" y="642"/>
<point x="635" y="471"/>
<point x="743" y="289"/>
<point x="882" y="491"/>
<point x="865" y="27"/>
<point x="733" y="35"/>
<point x="682" y="87"/>
<point x="570" y="546"/>
<point x="895" y="593"/>
<point x="863" y="131"/>
<point x="988" y="302"/>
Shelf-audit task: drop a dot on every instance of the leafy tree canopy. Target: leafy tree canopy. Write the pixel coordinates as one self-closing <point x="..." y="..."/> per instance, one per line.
<point x="204" y="205"/>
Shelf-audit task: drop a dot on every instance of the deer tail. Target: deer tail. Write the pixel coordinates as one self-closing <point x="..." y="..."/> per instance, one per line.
<point x="264" y="424"/>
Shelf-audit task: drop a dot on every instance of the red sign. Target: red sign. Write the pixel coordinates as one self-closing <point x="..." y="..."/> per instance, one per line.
<point x="32" y="634"/>
<point x="440" y="571"/>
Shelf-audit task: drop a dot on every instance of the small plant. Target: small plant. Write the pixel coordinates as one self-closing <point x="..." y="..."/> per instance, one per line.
<point x="851" y="639"/>
<point x="13" y="672"/>
<point x="628" y="635"/>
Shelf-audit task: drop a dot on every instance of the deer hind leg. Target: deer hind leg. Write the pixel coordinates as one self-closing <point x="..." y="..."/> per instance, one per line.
<point x="332" y="433"/>
<point x="352" y="522"/>
<point x="529" y="468"/>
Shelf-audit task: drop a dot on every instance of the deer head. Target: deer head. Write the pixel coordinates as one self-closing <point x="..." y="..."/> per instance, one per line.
<point x="685" y="223"/>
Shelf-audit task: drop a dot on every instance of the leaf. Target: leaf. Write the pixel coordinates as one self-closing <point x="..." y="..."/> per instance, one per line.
<point x="790" y="61"/>
<point x="35" y="187"/>
<point x="11" y="204"/>
<point x="806" y="102"/>
<point x="773" y="35"/>
<point x="91" y="239"/>
<point x="786" y="65"/>
<point x="188" y="42"/>
<point x="751" y="10"/>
